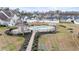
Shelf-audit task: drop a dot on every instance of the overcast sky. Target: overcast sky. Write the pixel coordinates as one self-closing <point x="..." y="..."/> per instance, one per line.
<point x="44" y="9"/>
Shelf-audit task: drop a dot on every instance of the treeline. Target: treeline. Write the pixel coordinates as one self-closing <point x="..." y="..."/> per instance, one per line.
<point x="42" y="14"/>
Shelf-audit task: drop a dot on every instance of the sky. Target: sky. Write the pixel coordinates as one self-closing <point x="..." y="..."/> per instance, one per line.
<point x="44" y="9"/>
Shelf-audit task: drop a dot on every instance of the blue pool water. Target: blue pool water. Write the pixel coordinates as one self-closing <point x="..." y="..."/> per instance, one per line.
<point x="41" y="28"/>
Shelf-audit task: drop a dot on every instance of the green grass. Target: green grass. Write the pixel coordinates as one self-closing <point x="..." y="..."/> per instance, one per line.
<point x="9" y="47"/>
<point x="13" y="27"/>
<point x="2" y="28"/>
<point x="20" y="39"/>
<point x="10" y="43"/>
<point x="55" y="46"/>
<point x="60" y="40"/>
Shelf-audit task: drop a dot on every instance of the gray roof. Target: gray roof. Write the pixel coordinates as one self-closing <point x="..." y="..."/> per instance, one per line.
<point x="9" y="13"/>
<point x="2" y="16"/>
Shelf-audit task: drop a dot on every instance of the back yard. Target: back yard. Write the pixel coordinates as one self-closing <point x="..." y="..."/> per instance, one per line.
<point x="65" y="39"/>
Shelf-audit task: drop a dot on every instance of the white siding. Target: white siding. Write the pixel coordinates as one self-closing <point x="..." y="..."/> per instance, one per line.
<point x="13" y="21"/>
<point x="3" y="22"/>
<point x="47" y="21"/>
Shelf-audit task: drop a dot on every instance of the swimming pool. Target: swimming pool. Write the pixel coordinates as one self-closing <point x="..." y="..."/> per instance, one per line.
<point x="42" y="28"/>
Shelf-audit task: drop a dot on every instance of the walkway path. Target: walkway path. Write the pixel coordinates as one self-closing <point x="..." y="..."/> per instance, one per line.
<point x="29" y="47"/>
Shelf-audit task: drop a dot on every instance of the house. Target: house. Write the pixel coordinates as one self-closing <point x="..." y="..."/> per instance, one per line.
<point x="22" y="27"/>
<point x="31" y="21"/>
<point x="25" y="18"/>
<point x="8" y="18"/>
<point x="13" y="20"/>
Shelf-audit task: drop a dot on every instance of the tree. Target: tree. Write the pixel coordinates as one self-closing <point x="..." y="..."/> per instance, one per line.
<point x="17" y="10"/>
<point x="57" y="13"/>
<point x="7" y="9"/>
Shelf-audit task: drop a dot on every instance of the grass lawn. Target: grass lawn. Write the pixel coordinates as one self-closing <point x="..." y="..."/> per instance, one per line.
<point x="64" y="40"/>
<point x="9" y="43"/>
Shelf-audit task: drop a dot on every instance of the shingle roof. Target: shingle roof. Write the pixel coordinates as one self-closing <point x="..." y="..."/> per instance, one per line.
<point x="8" y="13"/>
<point x="2" y="16"/>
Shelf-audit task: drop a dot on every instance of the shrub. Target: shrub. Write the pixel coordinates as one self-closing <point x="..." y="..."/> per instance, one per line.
<point x="8" y="32"/>
<point x="78" y="35"/>
<point x="70" y="28"/>
<point x="71" y="31"/>
<point x="63" y="26"/>
<point x="35" y="43"/>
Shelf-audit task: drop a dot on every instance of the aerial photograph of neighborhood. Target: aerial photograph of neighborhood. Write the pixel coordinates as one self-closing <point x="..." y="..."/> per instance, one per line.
<point x="39" y="28"/>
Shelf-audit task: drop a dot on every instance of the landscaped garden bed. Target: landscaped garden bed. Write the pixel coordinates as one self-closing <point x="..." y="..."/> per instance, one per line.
<point x="35" y="43"/>
<point x="26" y="41"/>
